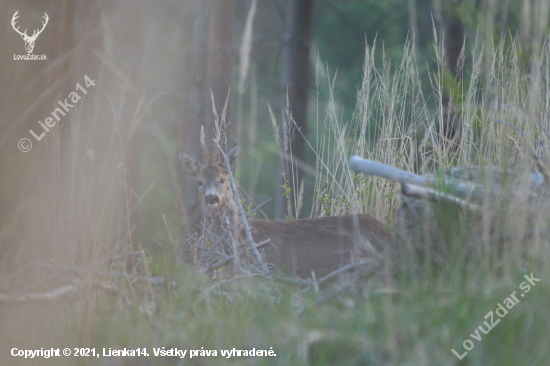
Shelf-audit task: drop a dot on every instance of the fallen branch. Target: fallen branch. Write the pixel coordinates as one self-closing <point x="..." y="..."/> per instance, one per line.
<point x="464" y="189"/>
<point x="41" y="296"/>
<point x="461" y="188"/>
<point x="429" y="194"/>
<point x="159" y="282"/>
<point x="385" y="171"/>
<point x="55" y="294"/>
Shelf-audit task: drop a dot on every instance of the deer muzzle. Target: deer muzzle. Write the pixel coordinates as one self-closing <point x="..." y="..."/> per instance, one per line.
<point x="211" y="200"/>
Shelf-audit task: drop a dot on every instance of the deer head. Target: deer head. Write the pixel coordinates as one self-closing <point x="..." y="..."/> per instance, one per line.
<point x="212" y="177"/>
<point x="29" y="41"/>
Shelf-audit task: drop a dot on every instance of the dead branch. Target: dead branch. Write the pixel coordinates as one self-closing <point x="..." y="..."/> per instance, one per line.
<point x="41" y="296"/>
<point x="57" y="293"/>
<point x="157" y="281"/>
<point x="430" y="194"/>
<point x="463" y="189"/>
<point x="385" y="171"/>
<point x="219" y="264"/>
<point x="249" y="239"/>
<point x="459" y="187"/>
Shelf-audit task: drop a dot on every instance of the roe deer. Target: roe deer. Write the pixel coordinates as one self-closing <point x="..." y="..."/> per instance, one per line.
<point x="321" y="245"/>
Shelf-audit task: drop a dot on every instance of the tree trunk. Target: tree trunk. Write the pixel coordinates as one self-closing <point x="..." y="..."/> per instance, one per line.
<point x="220" y="54"/>
<point x="295" y="88"/>
<point x="132" y="25"/>
<point x="208" y="68"/>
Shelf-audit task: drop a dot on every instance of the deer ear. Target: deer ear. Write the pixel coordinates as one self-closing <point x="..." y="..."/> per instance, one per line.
<point x="189" y="164"/>
<point x="234" y="156"/>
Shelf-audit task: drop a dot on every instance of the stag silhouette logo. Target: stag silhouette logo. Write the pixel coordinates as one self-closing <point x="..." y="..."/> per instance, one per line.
<point x="29" y="40"/>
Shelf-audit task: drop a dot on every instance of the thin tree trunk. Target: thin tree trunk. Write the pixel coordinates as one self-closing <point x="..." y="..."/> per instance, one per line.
<point x="220" y="54"/>
<point x="132" y="23"/>
<point x="194" y="109"/>
<point x="295" y="87"/>
<point x="208" y="68"/>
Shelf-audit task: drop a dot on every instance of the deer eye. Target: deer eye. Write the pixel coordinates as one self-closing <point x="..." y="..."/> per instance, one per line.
<point x="222" y="181"/>
<point x="199" y="183"/>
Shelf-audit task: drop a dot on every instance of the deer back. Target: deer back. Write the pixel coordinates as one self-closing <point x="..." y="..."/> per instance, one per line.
<point x="321" y="245"/>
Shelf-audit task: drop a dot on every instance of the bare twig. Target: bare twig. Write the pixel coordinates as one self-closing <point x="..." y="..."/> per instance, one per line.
<point x="263" y="243"/>
<point x="217" y="265"/>
<point x="249" y="239"/>
<point x="254" y="210"/>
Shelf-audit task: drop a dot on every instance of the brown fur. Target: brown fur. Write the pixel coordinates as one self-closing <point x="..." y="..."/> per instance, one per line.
<point x="321" y="244"/>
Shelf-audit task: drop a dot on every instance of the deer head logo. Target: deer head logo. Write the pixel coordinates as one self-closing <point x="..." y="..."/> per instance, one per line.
<point x="29" y="41"/>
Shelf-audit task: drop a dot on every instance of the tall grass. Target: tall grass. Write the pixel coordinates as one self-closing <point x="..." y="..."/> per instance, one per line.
<point x="501" y="125"/>
<point x="463" y="255"/>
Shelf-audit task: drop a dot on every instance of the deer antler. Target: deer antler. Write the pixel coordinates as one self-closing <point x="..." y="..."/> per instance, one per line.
<point x="35" y="34"/>
<point x="13" y="19"/>
<point x="24" y="34"/>
<point x="216" y="144"/>
<point x="207" y="158"/>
